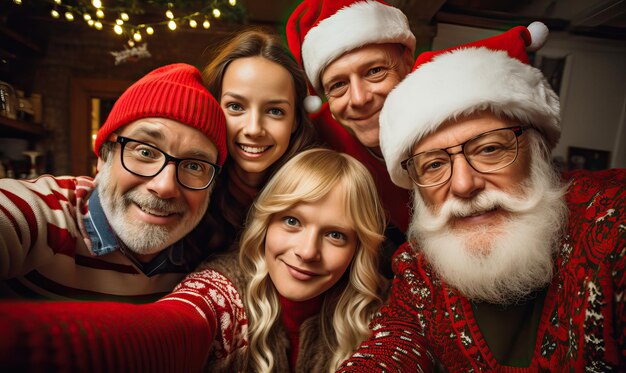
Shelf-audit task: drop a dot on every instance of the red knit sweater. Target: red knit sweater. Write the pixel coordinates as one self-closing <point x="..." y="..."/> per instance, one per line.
<point x="55" y="338"/>
<point x="202" y="318"/>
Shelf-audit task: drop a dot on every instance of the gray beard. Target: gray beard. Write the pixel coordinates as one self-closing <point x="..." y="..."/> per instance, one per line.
<point x="141" y="238"/>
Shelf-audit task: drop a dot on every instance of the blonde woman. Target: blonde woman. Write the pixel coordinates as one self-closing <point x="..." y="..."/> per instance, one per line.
<point x="310" y="250"/>
<point x="296" y="298"/>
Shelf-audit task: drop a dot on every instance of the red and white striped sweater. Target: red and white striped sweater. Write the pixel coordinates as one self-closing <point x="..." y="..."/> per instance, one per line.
<point x="45" y="249"/>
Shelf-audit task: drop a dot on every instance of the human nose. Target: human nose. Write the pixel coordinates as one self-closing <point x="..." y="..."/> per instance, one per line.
<point x="360" y="93"/>
<point x="164" y="184"/>
<point x="308" y="250"/>
<point x="254" y="126"/>
<point x="465" y="182"/>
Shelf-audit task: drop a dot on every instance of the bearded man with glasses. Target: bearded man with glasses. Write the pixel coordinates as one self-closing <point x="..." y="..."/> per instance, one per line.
<point x="120" y="236"/>
<point x="509" y="266"/>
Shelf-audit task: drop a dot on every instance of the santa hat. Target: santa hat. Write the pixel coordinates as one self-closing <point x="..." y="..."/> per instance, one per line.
<point x="319" y="31"/>
<point x="175" y="92"/>
<point x="491" y="74"/>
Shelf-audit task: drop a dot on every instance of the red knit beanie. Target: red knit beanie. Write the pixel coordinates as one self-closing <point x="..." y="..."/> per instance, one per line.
<point x="175" y="92"/>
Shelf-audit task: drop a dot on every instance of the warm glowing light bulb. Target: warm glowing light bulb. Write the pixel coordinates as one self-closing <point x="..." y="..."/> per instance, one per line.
<point x="98" y="25"/>
<point x="87" y="17"/>
<point x="232" y="2"/>
<point x="119" y="22"/>
<point x="169" y="14"/>
<point x="18" y="2"/>
<point x="206" y="24"/>
<point x="118" y="29"/>
<point x="171" y="25"/>
<point x="124" y="16"/>
<point x="216" y="13"/>
<point x="90" y="23"/>
<point x="100" y="13"/>
<point x="149" y="30"/>
<point x="96" y="3"/>
<point x="193" y="23"/>
<point x="69" y="16"/>
<point x="131" y="43"/>
<point x="58" y="2"/>
<point x="137" y="36"/>
<point x="54" y="13"/>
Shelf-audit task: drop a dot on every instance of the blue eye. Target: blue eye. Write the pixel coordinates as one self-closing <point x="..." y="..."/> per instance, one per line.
<point x="337" y="89"/>
<point x="291" y="221"/>
<point x="194" y="166"/>
<point x="144" y="152"/>
<point x="337" y="235"/>
<point x="234" y="107"/>
<point x="337" y="85"/>
<point x="276" y="111"/>
<point x="491" y="149"/>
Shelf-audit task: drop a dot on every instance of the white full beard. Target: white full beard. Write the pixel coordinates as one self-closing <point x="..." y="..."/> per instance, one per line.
<point x="140" y="237"/>
<point x="500" y="263"/>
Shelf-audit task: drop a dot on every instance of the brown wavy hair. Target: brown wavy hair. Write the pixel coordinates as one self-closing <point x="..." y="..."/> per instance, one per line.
<point x="225" y="217"/>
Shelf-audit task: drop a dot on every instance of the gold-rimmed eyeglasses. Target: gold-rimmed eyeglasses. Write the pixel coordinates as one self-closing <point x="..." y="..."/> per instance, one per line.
<point x="488" y="152"/>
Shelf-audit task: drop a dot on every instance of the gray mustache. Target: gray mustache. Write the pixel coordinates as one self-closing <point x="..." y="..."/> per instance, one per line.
<point x="154" y="203"/>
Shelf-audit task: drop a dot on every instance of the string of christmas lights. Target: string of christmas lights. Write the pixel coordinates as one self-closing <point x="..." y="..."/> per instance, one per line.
<point x="99" y="14"/>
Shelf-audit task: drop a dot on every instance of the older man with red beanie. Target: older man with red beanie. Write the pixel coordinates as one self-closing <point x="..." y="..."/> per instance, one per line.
<point x="509" y="266"/>
<point x="119" y="237"/>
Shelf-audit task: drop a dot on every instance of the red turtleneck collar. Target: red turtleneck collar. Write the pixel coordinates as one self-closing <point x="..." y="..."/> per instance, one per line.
<point x="293" y="314"/>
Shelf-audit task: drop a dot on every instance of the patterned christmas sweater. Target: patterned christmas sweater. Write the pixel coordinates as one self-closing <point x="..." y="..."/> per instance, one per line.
<point x="583" y="322"/>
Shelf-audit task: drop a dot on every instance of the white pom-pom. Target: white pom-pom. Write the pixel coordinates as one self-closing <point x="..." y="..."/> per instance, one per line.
<point x="538" y="35"/>
<point x="312" y="104"/>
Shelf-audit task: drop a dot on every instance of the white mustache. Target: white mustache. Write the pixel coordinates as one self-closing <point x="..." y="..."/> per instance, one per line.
<point x="485" y="201"/>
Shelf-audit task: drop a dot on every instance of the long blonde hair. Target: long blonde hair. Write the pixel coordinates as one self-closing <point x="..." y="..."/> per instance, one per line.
<point x="309" y="177"/>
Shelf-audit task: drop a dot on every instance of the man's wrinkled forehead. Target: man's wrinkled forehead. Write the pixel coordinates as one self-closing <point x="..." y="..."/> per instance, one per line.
<point x="369" y="55"/>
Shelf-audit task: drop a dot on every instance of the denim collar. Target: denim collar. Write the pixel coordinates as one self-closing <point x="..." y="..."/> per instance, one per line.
<point x="104" y="241"/>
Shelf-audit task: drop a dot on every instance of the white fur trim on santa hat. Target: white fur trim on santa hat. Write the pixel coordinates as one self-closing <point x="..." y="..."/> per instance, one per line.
<point x="462" y="82"/>
<point x="362" y="23"/>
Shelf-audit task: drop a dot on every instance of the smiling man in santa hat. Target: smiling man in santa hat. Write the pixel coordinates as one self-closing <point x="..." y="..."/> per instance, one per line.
<point x="354" y="52"/>
<point x="508" y="265"/>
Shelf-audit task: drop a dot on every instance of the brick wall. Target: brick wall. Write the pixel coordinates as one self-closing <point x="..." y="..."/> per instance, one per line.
<point x="76" y="51"/>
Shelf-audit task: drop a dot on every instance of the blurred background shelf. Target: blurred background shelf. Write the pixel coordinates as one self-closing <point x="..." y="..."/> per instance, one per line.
<point x="11" y="128"/>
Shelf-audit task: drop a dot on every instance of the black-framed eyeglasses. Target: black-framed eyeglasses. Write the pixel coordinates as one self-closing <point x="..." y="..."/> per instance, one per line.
<point x="145" y="160"/>
<point x="488" y="152"/>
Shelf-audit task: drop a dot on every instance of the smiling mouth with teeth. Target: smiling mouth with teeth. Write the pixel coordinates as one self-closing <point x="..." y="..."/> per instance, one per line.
<point x="154" y="212"/>
<point x="253" y="149"/>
